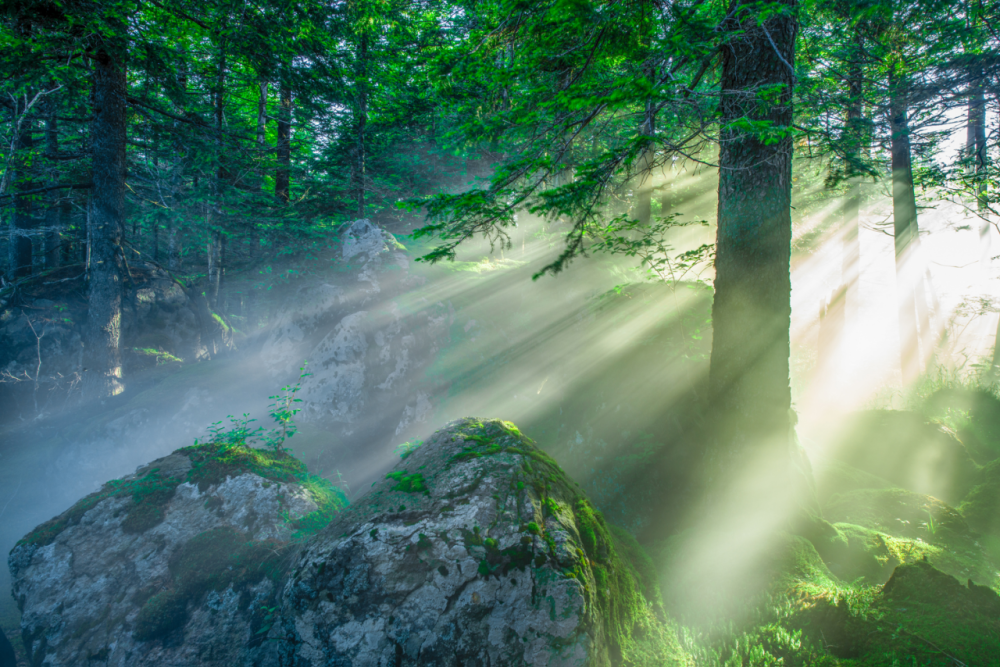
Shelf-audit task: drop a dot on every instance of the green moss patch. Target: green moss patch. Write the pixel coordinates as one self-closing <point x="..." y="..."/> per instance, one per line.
<point x="981" y="506"/>
<point x="149" y="493"/>
<point x="899" y="512"/>
<point x="211" y="463"/>
<point x="408" y="483"/>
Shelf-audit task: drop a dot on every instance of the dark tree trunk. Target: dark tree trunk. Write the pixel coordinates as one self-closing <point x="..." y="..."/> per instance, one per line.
<point x="107" y="217"/>
<point x="23" y="222"/>
<point x="857" y="144"/>
<point x="904" y="213"/>
<point x="283" y="149"/>
<point x="214" y="267"/>
<point x="55" y="221"/>
<point x="751" y="313"/>
<point x="215" y="254"/>
<point x="361" y="122"/>
<point x="975" y="146"/>
<point x="254" y="232"/>
<point x="644" y="188"/>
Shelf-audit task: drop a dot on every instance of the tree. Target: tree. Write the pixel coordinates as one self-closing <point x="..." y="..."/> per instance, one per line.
<point x="107" y="217"/>
<point x="751" y="312"/>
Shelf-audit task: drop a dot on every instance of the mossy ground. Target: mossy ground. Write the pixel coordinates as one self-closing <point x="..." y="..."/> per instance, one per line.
<point x="896" y="578"/>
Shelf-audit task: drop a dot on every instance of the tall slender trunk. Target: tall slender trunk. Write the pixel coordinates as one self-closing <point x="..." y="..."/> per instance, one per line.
<point x="54" y="213"/>
<point x="644" y="189"/>
<point x="751" y="313"/>
<point x="906" y="231"/>
<point x="283" y="149"/>
<point x="361" y="81"/>
<point x="647" y="129"/>
<point x="857" y="145"/>
<point x="22" y="221"/>
<point x="975" y="146"/>
<point x="215" y="256"/>
<point x="261" y="158"/>
<point x="107" y="217"/>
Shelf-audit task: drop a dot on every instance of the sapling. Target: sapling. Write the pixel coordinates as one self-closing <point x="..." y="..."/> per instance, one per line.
<point x="283" y="411"/>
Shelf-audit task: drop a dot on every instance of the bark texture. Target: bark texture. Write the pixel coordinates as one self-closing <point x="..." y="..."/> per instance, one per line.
<point x="23" y="220"/>
<point x="107" y="214"/>
<point x="361" y="80"/>
<point x="857" y="145"/>
<point x="283" y="175"/>
<point x="905" y="229"/>
<point x="751" y="313"/>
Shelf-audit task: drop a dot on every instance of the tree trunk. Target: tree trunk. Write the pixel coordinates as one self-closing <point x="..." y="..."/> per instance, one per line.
<point x="644" y="189"/>
<point x="361" y="81"/>
<point x="906" y="231"/>
<point x="261" y="159"/>
<point x="54" y="212"/>
<point x="283" y="174"/>
<point x="214" y="267"/>
<point x="107" y="217"/>
<point x="22" y="223"/>
<point x="857" y="144"/>
<point x="975" y="146"/>
<point x="751" y="313"/>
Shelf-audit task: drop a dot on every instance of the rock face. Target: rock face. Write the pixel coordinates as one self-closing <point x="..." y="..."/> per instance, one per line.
<point x="475" y="550"/>
<point x="171" y="565"/>
<point x="7" y="657"/>
<point x="366" y="344"/>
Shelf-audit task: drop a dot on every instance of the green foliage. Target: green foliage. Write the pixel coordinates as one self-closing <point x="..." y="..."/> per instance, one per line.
<point x="648" y="242"/>
<point x="407" y="448"/>
<point x="283" y="412"/>
<point x="408" y="483"/>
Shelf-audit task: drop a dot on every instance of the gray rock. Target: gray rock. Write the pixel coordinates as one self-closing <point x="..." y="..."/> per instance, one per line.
<point x="476" y="550"/>
<point x="169" y="566"/>
<point x="7" y="656"/>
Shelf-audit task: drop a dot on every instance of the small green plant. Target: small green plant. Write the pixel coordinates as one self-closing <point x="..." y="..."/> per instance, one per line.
<point x="283" y="413"/>
<point x="931" y="526"/>
<point x="407" y="448"/>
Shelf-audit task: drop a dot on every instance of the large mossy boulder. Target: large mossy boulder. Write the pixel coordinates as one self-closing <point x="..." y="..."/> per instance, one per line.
<point x="167" y="565"/>
<point x="921" y="616"/>
<point x="475" y="550"/>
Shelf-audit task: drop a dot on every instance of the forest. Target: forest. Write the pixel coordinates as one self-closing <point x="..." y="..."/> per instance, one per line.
<point x="438" y="332"/>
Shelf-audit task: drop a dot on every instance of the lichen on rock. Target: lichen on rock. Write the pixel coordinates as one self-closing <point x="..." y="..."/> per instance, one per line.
<point x="476" y="550"/>
<point x="191" y="547"/>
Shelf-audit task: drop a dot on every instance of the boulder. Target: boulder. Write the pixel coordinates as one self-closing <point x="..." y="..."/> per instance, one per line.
<point x="7" y="657"/>
<point x="368" y="343"/>
<point x="172" y="565"/>
<point x="475" y="550"/>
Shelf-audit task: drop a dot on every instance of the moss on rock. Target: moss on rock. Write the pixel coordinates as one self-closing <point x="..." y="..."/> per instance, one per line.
<point x="205" y="464"/>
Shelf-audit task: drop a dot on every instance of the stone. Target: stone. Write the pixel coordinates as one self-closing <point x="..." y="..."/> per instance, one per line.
<point x="475" y="550"/>
<point x="165" y="566"/>
<point x="7" y="656"/>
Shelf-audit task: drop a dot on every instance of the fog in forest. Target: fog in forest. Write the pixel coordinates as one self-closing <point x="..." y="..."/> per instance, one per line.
<point x="744" y="291"/>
